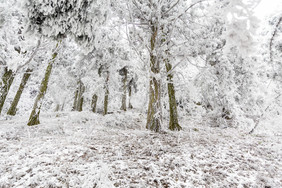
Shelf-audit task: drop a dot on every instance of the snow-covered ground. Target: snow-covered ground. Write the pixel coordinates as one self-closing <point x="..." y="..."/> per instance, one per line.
<point x="89" y="150"/>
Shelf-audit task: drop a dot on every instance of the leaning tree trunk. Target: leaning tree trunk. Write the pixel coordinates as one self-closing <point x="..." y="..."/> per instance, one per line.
<point x="106" y="98"/>
<point x="34" y="116"/>
<point x="173" y="117"/>
<point x="13" y="108"/>
<point x="154" y="107"/>
<point x="7" y="79"/>
<point x="124" y="81"/>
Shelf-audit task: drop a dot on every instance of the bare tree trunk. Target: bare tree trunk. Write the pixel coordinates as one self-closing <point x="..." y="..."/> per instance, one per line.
<point x="129" y="96"/>
<point x="80" y="104"/>
<point x="94" y="103"/>
<point x="154" y="107"/>
<point x="106" y="98"/>
<point x="173" y="116"/>
<point x="63" y="105"/>
<point x="34" y="116"/>
<point x="57" y="108"/>
<point x="13" y="108"/>
<point x="74" y="107"/>
<point x="80" y="96"/>
<point x="7" y="79"/>
<point x="124" y="81"/>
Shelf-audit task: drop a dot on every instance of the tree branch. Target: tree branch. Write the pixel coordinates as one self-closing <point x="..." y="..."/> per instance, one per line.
<point x="272" y="39"/>
<point x="31" y="57"/>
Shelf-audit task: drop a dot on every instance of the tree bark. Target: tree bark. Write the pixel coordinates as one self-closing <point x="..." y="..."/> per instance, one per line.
<point x="57" y="108"/>
<point x="124" y="81"/>
<point x="106" y="98"/>
<point x="94" y="103"/>
<point x="34" y="116"/>
<point x="13" y="108"/>
<point x="154" y="107"/>
<point x="129" y="96"/>
<point x="173" y="116"/>
<point x="80" y="96"/>
<point x="75" y="100"/>
<point x="7" y="79"/>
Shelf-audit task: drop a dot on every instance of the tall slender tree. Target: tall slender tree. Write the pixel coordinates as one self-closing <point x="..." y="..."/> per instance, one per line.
<point x="34" y="116"/>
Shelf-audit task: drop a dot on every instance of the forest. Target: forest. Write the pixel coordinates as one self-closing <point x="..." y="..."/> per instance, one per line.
<point x="140" y="93"/>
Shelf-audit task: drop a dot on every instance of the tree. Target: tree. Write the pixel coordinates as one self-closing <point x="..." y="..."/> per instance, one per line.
<point x="79" y="19"/>
<point x="13" y="108"/>
<point x="16" y="49"/>
<point x="226" y="77"/>
<point x="147" y="22"/>
<point x="34" y="116"/>
<point x="124" y="73"/>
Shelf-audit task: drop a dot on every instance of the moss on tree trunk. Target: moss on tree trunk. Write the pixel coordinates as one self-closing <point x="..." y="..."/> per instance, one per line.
<point x="154" y="116"/>
<point x="154" y="107"/>
<point x="94" y="103"/>
<point x="7" y="80"/>
<point x="80" y="96"/>
<point x="34" y="116"/>
<point x="173" y="116"/>
<point x="13" y="108"/>
<point x="106" y="98"/>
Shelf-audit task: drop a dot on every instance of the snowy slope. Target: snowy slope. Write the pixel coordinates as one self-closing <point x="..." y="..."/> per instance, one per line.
<point x="89" y="150"/>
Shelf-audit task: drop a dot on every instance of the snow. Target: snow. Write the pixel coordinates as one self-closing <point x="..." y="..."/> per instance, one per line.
<point x="72" y="149"/>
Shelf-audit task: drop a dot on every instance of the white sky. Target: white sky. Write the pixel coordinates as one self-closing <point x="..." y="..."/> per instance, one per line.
<point x="268" y="7"/>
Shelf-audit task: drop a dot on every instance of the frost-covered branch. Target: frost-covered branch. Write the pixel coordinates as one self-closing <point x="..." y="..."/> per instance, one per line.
<point x="31" y="57"/>
<point x="272" y="39"/>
